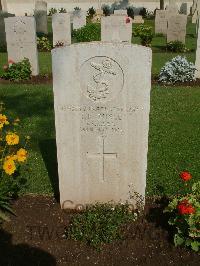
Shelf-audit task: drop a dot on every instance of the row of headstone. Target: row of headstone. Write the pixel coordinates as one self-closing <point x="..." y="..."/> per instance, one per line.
<point x="113" y="28"/>
<point x="172" y="24"/>
<point x="22" y="42"/>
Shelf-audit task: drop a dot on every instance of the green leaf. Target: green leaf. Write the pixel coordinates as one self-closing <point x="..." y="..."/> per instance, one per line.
<point x="195" y="245"/>
<point x="188" y="242"/>
<point x="178" y="240"/>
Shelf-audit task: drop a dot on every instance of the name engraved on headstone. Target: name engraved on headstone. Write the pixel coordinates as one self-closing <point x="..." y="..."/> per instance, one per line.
<point x="101" y="120"/>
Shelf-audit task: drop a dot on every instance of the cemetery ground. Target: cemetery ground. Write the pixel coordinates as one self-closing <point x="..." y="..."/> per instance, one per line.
<point x="35" y="234"/>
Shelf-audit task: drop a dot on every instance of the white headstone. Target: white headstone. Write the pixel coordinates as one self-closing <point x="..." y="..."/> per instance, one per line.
<point x="102" y="102"/>
<point x="2" y="27"/>
<point x="184" y="9"/>
<point x="138" y="20"/>
<point x="41" y="5"/>
<point x="176" y="30"/>
<point x="173" y="7"/>
<point x="61" y="28"/>
<point x="197" y="62"/>
<point x="40" y="14"/>
<point x="116" y="29"/>
<point x="21" y="40"/>
<point x="120" y="12"/>
<point x="161" y="21"/>
<point x="79" y="19"/>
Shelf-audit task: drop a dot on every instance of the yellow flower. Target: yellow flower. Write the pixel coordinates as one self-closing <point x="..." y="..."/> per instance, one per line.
<point x="3" y="119"/>
<point x="9" y="167"/>
<point x="11" y="157"/>
<point x="12" y="139"/>
<point x="21" y="155"/>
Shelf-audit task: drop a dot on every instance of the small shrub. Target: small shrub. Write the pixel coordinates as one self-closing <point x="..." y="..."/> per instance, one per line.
<point x="145" y="33"/>
<point x="185" y="216"/>
<point x="177" y="70"/>
<point x="77" y="8"/>
<point x="62" y="10"/>
<point x="91" y="12"/>
<point x="177" y="46"/>
<point x="59" y="44"/>
<point x="100" y="223"/>
<point x="143" y="12"/>
<point x="130" y="12"/>
<point x="52" y="11"/>
<point x="17" y="71"/>
<point x="88" y="33"/>
<point x="43" y="44"/>
<point x="150" y="15"/>
<point x="106" y="10"/>
<point x="13" y="156"/>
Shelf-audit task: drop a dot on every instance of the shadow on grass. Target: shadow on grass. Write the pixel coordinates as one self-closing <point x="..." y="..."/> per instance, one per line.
<point x="159" y="48"/>
<point x="34" y="106"/>
<point x="49" y="154"/>
<point x="22" y="254"/>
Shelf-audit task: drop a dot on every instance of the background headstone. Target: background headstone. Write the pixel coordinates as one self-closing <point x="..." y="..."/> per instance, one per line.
<point x="161" y="21"/>
<point x="40" y="14"/>
<point x="120" y="12"/>
<point x="176" y="30"/>
<point x="102" y="103"/>
<point x="2" y="27"/>
<point x="116" y="29"/>
<point x="21" y="40"/>
<point x="195" y="10"/>
<point x="79" y="19"/>
<point x="138" y="19"/>
<point x="184" y="8"/>
<point x="197" y="62"/>
<point x="173" y="7"/>
<point x="61" y="28"/>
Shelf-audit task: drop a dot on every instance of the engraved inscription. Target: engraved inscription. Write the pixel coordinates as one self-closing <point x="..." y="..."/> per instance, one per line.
<point x="20" y="31"/>
<point x="101" y="79"/>
<point x="101" y="120"/>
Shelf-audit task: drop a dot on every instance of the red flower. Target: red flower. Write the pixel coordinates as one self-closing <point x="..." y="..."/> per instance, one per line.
<point x="10" y="61"/>
<point x="128" y="20"/>
<point x="185" y="176"/>
<point x="184" y="207"/>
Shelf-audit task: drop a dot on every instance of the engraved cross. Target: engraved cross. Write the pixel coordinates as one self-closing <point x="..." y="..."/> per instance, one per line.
<point x="102" y="157"/>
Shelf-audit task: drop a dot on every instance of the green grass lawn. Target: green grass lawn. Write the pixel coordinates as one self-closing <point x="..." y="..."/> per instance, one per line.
<point x="174" y="142"/>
